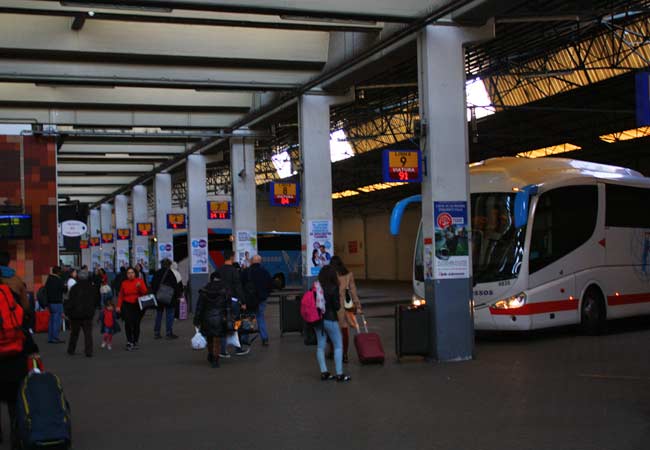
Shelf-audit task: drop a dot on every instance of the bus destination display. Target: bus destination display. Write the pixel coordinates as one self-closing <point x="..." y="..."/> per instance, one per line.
<point x="402" y="166"/>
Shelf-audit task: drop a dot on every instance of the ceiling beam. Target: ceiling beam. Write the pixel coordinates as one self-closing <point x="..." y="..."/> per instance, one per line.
<point x="107" y="168"/>
<point x="97" y="179"/>
<point x="133" y="149"/>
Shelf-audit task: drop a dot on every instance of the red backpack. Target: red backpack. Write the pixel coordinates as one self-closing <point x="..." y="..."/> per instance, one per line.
<point x="310" y="314"/>
<point x="12" y="336"/>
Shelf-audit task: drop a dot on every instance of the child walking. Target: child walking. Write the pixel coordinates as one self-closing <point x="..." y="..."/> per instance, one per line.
<point x="109" y="324"/>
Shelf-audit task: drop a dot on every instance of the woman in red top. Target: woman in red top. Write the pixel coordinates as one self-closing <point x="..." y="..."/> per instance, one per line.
<point x="127" y="306"/>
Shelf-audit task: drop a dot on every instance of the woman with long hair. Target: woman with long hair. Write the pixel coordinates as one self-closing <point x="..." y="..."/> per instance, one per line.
<point x="327" y="301"/>
<point x="347" y="294"/>
<point x="128" y="308"/>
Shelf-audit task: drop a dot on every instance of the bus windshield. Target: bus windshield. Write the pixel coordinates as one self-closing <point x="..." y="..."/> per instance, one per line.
<point x="497" y="246"/>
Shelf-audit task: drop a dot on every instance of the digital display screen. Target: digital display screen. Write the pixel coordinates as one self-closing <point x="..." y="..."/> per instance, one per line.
<point x="123" y="234"/>
<point x="15" y="226"/>
<point x="176" y="221"/>
<point x="285" y="194"/>
<point x="218" y="210"/>
<point x="145" y="229"/>
<point x="402" y="166"/>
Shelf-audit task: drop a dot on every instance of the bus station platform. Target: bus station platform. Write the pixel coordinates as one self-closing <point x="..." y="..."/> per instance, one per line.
<point x="547" y="390"/>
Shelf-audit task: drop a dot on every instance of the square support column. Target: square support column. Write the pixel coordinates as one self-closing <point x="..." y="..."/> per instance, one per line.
<point x="140" y="215"/>
<point x="445" y="188"/>
<point x="197" y="232"/>
<point x="107" y="249"/>
<point x="121" y="221"/>
<point x="94" y="230"/>
<point x="163" y="194"/>
<point x="244" y="199"/>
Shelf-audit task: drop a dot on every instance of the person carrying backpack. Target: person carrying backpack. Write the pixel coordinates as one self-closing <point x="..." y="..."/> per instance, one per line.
<point x="211" y="312"/>
<point x="9" y="277"/>
<point x="16" y="346"/>
<point x="327" y="301"/>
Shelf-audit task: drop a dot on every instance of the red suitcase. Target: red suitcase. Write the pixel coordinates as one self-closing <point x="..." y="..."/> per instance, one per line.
<point x="42" y="321"/>
<point x="369" y="346"/>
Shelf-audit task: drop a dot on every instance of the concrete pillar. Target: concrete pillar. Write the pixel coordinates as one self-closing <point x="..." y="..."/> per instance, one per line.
<point x="197" y="232"/>
<point x="94" y="230"/>
<point x="445" y="187"/>
<point x="317" y="218"/>
<point x="163" y="194"/>
<point x="140" y="214"/>
<point x="244" y="200"/>
<point x="121" y="221"/>
<point x="108" y="249"/>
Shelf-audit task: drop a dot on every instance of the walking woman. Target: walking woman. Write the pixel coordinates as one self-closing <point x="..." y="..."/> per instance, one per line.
<point x="128" y="308"/>
<point x="211" y="311"/>
<point x="349" y="300"/>
<point x="327" y="300"/>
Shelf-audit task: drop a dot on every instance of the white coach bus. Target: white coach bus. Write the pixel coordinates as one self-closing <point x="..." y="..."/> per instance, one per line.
<point x="554" y="242"/>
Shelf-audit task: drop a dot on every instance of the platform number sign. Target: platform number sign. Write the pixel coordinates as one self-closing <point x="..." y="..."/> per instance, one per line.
<point x="94" y="242"/>
<point x="218" y="210"/>
<point x="123" y="234"/>
<point x="144" y="228"/>
<point x="83" y="243"/>
<point x="285" y="194"/>
<point x="402" y="166"/>
<point x="107" y="238"/>
<point x="176" y="221"/>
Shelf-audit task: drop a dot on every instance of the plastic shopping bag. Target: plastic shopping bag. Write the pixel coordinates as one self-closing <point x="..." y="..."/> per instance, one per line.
<point x="233" y="339"/>
<point x="198" y="341"/>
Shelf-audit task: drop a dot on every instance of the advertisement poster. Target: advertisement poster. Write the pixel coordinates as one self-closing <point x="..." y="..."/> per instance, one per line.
<point x="320" y="245"/>
<point x="246" y="242"/>
<point x="199" y="256"/>
<point x="95" y="258"/>
<point x="451" y="240"/>
<point x="107" y="260"/>
<point x="165" y="251"/>
<point x="142" y="256"/>
<point x="122" y="255"/>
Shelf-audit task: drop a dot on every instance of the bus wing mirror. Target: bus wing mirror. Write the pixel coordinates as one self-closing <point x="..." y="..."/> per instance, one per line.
<point x="398" y="212"/>
<point x="522" y="203"/>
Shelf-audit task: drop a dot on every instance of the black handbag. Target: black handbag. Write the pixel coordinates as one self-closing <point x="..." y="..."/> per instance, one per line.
<point x="165" y="293"/>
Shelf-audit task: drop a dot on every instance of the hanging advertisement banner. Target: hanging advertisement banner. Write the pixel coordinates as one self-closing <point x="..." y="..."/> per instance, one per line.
<point x="142" y="256"/>
<point x="246" y="247"/>
<point x="320" y="245"/>
<point x="199" y="256"/>
<point x="165" y="251"/>
<point x="451" y="240"/>
<point x="122" y="255"/>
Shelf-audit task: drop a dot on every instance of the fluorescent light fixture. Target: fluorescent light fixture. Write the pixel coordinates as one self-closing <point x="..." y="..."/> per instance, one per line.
<point x="627" y="135"/>
<point x="549" y="151"/>
<point x="344" y="194"/>
<point x="116" y="155"/>
<point x="379" y="187"/>
<point x="82" y="4"/>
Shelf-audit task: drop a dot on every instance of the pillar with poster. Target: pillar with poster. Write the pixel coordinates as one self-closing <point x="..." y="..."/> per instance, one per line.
<point x="320" y="246"/>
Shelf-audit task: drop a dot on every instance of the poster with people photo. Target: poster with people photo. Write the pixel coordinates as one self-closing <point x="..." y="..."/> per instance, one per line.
<point x="451" y="240"/>
<point x="320" y="245"/>
<point x="246" y="246"/>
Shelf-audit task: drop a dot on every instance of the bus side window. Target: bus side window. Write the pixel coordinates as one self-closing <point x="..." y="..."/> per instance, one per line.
<point x="565" y="218"/>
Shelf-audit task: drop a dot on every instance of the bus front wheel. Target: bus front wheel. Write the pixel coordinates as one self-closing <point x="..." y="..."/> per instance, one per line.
<point x="593" y="314"/>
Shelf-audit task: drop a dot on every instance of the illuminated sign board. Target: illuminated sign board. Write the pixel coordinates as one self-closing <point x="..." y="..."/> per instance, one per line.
<point x="218" y="210"/>
<point x="123" y="234"/>
<point x="94" y="242"/>
<point x="83" y="243"/>
<point x="107" y="238"/>
<point x="285" y="194"/>
<point x="402" y="166"/>
<point x="144" y="229"/>
<point x="176" y="221"/>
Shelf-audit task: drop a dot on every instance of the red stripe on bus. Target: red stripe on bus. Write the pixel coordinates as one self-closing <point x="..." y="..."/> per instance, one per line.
<point x="537" y="308"/>
<point x="629" y="299"/>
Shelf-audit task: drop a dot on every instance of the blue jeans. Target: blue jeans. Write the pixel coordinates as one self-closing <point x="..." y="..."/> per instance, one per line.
<point x="56" y="310"/>
<point x="169" y="320"/>
<point x="261" y="322"/>
<point x="331" y="328"/>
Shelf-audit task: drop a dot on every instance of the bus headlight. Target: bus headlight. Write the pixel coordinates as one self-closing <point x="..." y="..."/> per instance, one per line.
<point x="516" y="301"/>
<point x="417" y="301"/>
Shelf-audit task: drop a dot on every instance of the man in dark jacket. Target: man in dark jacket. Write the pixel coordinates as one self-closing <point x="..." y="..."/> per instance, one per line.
<point x="54" y="288"/>
<point x="211" y="309"/>
<point x="80" y="309"/>
<point x="263" y="282"/>
<point x="166" y="276"/>
<point x="232" y="281"/>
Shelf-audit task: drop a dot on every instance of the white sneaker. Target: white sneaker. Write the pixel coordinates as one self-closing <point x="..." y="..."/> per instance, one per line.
<point x="110" y="347"/>
<point x="103" y="344"/>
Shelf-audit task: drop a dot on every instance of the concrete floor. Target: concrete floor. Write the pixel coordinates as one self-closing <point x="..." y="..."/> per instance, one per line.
<point x="552" y="390"/>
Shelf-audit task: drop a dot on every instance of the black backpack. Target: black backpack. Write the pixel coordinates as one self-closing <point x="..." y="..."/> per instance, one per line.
<point x="41" y="297"/>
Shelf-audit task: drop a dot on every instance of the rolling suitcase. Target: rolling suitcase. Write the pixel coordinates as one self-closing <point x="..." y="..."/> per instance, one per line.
<point x="290" y="319"/>
<point x="41" y="321"/>
<point x="42" y="413"/>
<point x="412" y="336"/>
<point x="369" y="346"/>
